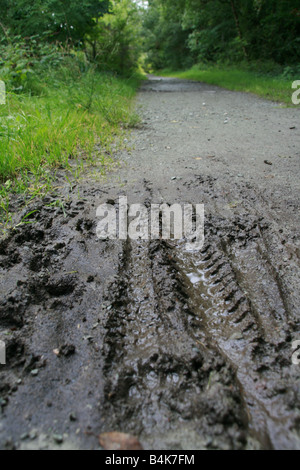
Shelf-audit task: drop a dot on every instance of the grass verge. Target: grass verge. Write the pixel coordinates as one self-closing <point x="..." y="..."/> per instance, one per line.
<point x="276" y="88"/>
<point x="69" y="117"/>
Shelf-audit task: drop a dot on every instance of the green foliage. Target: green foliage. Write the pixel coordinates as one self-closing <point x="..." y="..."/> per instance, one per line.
<point x="245" y="78"/>
<point x="65" y="104"/>
<point x="115" y="42"/>
<point x="63" y="20"/>
<point x="107" y="30"/>
<point x="222" y="30"/>
<point x="77" y="118"/>
<point x="165" y="41"/>
<point x="22" y="60"/>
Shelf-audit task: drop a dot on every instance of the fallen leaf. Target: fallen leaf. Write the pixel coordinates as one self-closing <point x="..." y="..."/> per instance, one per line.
<point x="119" y="441"/>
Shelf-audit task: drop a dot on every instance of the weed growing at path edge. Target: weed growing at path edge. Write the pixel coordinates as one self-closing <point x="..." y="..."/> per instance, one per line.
<point x="72" y="114"/>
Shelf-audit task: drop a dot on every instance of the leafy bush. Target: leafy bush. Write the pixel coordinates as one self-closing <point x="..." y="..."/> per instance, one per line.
<point x="291" y="72"/>
<point x="20" y="59"/>
<point x="114" y="44"/>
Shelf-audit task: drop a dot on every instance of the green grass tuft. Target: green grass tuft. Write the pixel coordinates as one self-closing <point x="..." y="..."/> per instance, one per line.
<point x="76" y="116"/>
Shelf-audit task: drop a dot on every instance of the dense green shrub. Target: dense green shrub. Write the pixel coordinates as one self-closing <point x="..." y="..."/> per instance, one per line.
<point x="23" y="60"/>
<point x="222" y="30"/>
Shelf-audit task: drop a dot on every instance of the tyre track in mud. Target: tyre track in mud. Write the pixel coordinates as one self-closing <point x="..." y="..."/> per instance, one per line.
<point x="216" y="302"/>
<point x="184" y="350"/>
<point x="161" y="374"/>
<point x="244" y="321"/>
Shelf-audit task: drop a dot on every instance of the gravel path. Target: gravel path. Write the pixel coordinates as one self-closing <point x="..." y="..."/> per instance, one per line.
<point x="184" y="350"/>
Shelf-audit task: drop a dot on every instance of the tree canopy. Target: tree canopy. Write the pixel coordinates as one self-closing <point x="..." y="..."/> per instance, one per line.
<point x="170" y="33"/>
<point x="108" y="31"/>
<point x="178" y="32"/>
<point x="67" y="19"/>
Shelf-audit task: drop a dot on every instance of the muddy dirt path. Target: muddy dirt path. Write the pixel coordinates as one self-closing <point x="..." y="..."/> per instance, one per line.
<point x="184" y="350"/>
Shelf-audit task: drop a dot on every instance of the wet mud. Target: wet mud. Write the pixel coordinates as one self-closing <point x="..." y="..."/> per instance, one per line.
<point x="185" y="350"/>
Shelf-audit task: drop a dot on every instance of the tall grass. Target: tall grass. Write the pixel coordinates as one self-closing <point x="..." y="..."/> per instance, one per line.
<point x="275" y="87"/>
<point x="71" y="116"/>
<point x="70" y="113"/>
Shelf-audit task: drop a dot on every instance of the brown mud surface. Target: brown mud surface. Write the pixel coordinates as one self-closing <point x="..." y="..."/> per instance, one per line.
<point x="183" y="350"/>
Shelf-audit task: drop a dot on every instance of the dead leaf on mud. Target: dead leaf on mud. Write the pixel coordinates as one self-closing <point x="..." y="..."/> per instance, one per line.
<point x="119" y="441"/>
